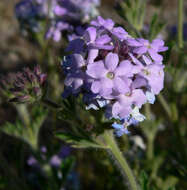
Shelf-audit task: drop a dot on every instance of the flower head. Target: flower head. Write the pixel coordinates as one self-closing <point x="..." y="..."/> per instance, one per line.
<point x="114" y="71"/>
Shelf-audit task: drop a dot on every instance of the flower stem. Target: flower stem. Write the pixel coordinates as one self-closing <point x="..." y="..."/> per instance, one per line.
<point x="148" y="111"/>
<point x="150" y="149"/>
<point x="118" y="156"/>
<point x="180" y="23"/>
<point x="165" y="105"/>
<point x="23" y="114"/>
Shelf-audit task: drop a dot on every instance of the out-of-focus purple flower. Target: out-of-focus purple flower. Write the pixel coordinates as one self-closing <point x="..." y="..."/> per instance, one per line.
<point x="54" y="33"/>
<point x="27" y="13"/>
<point x="55" y="161"/>
<point x="118" y="73"/>
<point x="87" y="8"/>
<point x="63" y="15"/>
<point x="25" y="9"/>
<point x="64" y="152"/>
<point x="43" y="149"/>
<point x="32" y="161"/>
<point x="78" y="31"/>
<point x="55" y="30"/>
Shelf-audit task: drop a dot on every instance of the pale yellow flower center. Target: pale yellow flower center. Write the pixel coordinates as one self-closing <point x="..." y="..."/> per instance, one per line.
<point x="110" y="75"/>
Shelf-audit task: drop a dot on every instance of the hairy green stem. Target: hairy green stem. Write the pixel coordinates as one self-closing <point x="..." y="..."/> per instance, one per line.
<point x="148" y="111"/>
<point x="23" y="114"/>
<point x="150" y="148"/>
<point x="165" y="105"/>
<point x="150" y="138"/>
<point x="180" y="23"/>
<point x="118" y="156"/>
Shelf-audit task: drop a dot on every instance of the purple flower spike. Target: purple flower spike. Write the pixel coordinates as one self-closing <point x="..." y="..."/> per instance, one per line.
<point x="32" y="162"/>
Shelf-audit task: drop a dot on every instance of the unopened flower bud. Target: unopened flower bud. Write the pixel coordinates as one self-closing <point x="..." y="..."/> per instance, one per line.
<point x="24" y="87"/>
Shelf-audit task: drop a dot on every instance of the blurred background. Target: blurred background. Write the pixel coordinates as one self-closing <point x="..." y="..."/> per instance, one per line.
<point x="156" y="149"/>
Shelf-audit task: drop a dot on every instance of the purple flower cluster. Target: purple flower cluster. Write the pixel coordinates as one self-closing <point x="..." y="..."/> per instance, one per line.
<point x="62" y="15"/>
<point x="114" y="70"/>
<point x="54" y="161"/>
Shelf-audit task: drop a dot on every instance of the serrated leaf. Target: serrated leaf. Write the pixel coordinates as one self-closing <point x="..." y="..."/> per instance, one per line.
<point x="13" y="129"/>
<point x="78" y="142"/>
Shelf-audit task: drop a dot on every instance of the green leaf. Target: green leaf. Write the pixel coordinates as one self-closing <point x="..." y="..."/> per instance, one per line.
<point x="30" y="132"/>
<point x="169" y="183"/>
<point x="133" y="11"/>
<point x="13" y="129"/>
<point x="144" y="181"/>
<point x="78" y="142"/>
<point x="155" y="27"/>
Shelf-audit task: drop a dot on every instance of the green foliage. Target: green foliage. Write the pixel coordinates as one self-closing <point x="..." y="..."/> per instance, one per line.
<point x="144" y="181"/>
<point x="168" y="184"/>
<point x="78" y="142"/>
<point x="66" y="167"/>
<point x="155" y="27"/>
<point x="27" y="129"/>
<point x="134" y="11"/>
